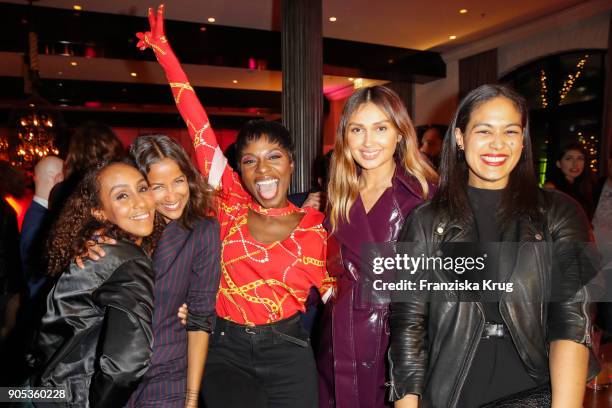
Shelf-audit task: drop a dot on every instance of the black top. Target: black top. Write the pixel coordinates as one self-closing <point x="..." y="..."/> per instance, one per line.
<point x="95" y="339"/>
<point x="497" y="370"/>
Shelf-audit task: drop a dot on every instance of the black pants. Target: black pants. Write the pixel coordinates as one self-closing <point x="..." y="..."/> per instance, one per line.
<point x="266" y="366"/>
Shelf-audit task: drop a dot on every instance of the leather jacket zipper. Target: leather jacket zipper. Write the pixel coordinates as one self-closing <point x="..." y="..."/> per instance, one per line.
<point x="469" y="359"/>
<point x="587" y="334"/>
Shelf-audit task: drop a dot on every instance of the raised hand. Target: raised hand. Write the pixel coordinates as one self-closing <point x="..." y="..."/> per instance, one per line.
<point x="155" y="38"/>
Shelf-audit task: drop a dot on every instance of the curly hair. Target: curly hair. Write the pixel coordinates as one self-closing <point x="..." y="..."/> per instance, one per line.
<point x="150" y="149"/>
<point x="76" y="225"/>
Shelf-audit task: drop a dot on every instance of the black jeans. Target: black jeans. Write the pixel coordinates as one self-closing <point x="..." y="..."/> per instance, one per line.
<point x="265" y="366"/>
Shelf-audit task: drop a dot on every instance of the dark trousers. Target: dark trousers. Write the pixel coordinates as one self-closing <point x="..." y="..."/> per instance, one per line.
<point x="265" y="366"/>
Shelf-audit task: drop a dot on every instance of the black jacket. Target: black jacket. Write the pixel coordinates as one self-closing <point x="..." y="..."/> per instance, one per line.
<point x="433" y="341"/>
<point x="95" y="339"/>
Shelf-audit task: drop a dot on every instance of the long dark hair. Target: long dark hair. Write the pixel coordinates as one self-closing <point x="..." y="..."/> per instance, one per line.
<point x="583" y="187"/>
<point x="76" y="225"/>
<point x="91" y="144"/>
<point x="520" y="197"/>
<point x="150" y="149"/>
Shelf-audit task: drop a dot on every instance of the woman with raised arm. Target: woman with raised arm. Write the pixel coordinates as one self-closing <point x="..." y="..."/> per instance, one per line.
<point x="377" y="177"/>
<point x="485" y="346"/>
<point x="272" y="253"/>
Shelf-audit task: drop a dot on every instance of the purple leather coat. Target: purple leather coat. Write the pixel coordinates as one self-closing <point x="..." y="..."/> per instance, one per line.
<point x="351" y="354"/>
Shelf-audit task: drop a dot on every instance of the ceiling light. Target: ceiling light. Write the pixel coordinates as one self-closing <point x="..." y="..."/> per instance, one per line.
<point x="351" y="79"/>
<point x="452" y="37"/>
<point x="133" y="74"/>
<point x="211" y="19"/>
<point x="463" y="11"/>
<point x="77" y="7"/>
<point x="73" y="63"/>
<point x="332" y="19"/>
<point x="235" y="81"/>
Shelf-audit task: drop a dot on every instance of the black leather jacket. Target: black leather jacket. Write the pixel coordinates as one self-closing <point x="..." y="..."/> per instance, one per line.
<point x="95" y="339"/>
<point x="433" y="342"/>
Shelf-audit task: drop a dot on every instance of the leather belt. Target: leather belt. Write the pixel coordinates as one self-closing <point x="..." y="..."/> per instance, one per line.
<point x="494" y="330"/>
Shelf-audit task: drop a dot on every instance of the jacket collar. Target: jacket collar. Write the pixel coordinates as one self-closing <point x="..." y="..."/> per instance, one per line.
<point x="402" y="179"/>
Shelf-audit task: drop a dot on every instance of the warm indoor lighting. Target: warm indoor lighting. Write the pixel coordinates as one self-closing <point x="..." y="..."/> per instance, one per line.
<point x="133" y="74"/>
<point x="77" y="7"/>
<point x="211" y="19"/>
<point x="351" y="79"/>
<point x="332" y="19"/>
<point x="463" y="11"/>
<point x="73" y="63"/>
<point x="235" y="81"/>
<point x="452" y="37"/>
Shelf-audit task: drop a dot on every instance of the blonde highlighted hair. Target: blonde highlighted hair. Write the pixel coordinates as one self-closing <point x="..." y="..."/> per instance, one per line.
<point x="343" y="185"/>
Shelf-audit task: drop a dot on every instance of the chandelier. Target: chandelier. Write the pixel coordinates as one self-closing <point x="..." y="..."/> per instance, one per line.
<point x="35" y="126"/>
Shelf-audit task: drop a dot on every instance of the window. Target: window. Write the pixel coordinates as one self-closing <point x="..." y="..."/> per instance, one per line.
<point x="565" y="94"/>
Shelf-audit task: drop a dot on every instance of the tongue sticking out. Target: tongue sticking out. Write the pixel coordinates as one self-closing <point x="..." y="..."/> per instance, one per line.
<point x="267" y="190"/>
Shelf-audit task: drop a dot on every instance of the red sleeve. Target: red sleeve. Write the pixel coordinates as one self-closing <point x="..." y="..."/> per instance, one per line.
<point x="211" y="162"/>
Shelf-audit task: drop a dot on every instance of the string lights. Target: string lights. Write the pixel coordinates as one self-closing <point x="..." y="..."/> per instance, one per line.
<point x="590" y="145"/>
<point x="571" y="78"/>
<point x="543" y="89"/>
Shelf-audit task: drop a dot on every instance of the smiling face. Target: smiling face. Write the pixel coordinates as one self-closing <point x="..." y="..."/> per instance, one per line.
<point x="126" y="200"/>
<point x="372" y="138"/>
<point x="492" y="141"/>
<point x="170" y="188"/>
<point x="571" y="164"/>
<point x="266" y="168"/>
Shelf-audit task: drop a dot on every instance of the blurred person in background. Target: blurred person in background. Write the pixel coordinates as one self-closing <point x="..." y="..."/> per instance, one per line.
<point x="12" y="282"/>
<point x="431" y="138"/>
<point x="316" y="196"/>
<point x="34" y="233"/>
<point x="91" y="144"/>
<point x="573" y="177"/>
<point x="11" y="276"/>
<point x="602" y="219"/>
<point x="47" y="173"/>
<point x="602" y="229"/>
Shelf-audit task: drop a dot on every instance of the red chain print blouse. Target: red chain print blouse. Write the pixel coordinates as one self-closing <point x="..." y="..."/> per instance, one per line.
<point x="260" y="283"/>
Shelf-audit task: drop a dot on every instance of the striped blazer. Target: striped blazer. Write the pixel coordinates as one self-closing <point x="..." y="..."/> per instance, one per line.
<point x="186" y="264"/>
